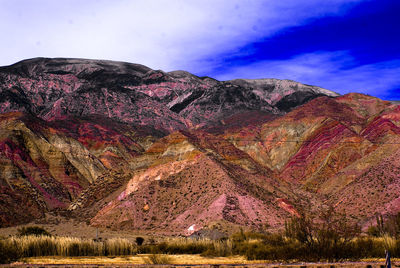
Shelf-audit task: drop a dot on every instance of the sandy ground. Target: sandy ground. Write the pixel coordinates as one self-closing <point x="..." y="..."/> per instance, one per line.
<point x="179" y="260"/>
<point x="140" y="259"/>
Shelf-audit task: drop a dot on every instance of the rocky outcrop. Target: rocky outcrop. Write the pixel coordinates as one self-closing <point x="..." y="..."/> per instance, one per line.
<point x="47" y="166"/>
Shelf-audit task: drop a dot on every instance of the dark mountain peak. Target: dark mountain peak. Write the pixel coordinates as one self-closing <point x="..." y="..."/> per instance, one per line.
<point x="53" y="87"/>
<point x="74" y="66"/>
<point x="181" y="74"/>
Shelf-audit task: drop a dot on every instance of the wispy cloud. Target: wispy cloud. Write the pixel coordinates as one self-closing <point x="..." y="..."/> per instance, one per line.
<point x="197" y="36"/>
<point x="337" y="71"/>
<point x="163" y="34"/>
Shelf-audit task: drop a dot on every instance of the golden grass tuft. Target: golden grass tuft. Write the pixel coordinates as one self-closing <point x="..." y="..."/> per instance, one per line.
<point x="389" y="242"/>
<point x="158" y="259"/>
<point x="30" y="246"/>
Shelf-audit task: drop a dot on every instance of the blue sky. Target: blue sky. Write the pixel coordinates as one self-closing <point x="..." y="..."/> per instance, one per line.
<point x="341" y="45"/>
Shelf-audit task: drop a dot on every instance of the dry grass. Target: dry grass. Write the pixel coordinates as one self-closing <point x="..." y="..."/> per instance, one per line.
<point x="220" y="248"/>
<point x="184" y="251"/>
<point x="30" y="246"/>
<point x="84" y="260"/>
<point x="389" y="242"/>
<point x="158" y="259"/>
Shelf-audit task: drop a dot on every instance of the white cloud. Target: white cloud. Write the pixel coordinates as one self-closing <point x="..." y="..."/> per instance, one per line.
<point x="162" y="34"/>
<point x="336" y="71"/>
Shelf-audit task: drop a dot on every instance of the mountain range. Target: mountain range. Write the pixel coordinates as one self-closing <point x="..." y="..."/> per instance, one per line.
<point x="122" y="146"/>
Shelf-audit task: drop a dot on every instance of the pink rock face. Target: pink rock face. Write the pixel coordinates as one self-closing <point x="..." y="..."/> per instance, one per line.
<point x="23" y="161"/>
<point x="378" y="128"/>
<point x="331" y="137"/>
<point x="286" y="205"/>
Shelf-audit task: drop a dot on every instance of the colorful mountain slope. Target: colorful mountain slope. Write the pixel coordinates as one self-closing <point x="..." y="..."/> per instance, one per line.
<point x="334" y="147"/>
<point x="196" y="181"/>
<point x="51" y="163"/>
<point x="120" y="145"/>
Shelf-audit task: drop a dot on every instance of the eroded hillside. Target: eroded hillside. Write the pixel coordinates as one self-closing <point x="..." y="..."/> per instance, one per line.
<point x="120" y="145"/>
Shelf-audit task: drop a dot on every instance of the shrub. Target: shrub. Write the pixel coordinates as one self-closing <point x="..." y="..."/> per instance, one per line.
<point x="327" y="238"/>
<point x="389" y="225"/>
<point x="182" y="246"/>
<point x="139" y="240"/>
<point x="373" y="231"/>
<point x="367" y="247"/>
<point x="33" y="230"/>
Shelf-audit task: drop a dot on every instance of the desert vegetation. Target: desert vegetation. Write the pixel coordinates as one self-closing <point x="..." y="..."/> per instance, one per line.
<point x="16" y="247"/>
<point x="328" y="238"/>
